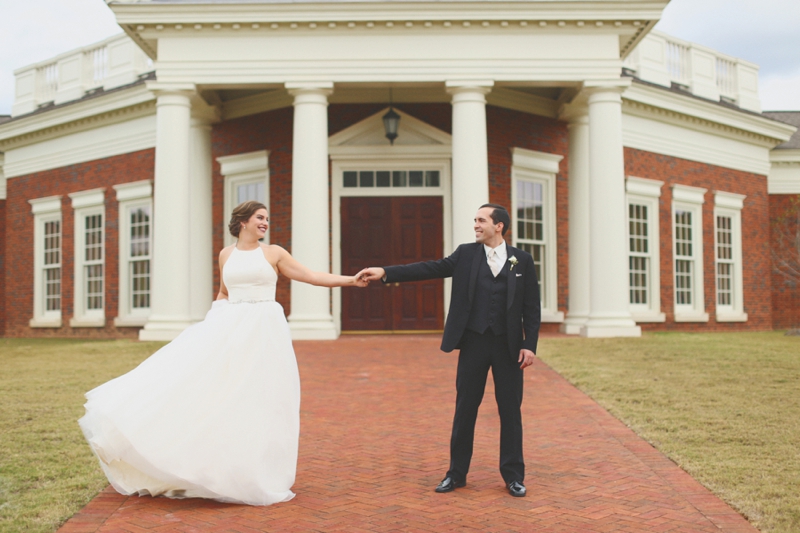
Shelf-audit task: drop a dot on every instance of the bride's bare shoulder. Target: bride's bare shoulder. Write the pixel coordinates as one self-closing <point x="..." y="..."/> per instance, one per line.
<point x="225" y="253"/>
<point x="273" y="251"/>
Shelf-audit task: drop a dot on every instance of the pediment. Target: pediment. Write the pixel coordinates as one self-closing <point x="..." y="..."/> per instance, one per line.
<point x="370" y="132"/>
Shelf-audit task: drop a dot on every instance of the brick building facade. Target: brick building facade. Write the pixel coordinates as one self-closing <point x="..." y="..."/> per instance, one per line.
<point x="646" y="207"/>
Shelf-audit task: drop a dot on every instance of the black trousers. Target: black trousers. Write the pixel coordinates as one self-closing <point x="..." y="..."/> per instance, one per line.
<point x="479" y="352"/>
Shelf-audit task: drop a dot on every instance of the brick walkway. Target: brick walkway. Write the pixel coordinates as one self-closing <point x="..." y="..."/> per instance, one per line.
<point x="376" y="415"/>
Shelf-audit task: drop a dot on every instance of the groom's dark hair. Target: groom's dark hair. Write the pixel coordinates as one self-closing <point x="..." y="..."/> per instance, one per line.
<point x="499" y="215"/>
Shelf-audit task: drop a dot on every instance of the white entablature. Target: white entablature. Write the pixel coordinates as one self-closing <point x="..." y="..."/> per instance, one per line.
<point x="527" y="42"/>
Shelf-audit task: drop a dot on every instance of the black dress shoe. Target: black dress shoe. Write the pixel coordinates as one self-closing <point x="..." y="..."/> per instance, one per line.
<point x="449" y="484"/>
<point x="516" y="488"/>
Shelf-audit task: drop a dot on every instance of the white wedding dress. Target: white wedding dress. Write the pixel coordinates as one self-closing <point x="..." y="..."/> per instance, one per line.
<point x="216" y="412"/>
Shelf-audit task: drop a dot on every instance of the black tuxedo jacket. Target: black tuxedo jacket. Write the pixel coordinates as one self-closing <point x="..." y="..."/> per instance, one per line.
<point x="523" y="315"/>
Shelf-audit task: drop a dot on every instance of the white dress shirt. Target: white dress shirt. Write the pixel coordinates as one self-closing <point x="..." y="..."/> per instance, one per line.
<point x="498" y="256"/>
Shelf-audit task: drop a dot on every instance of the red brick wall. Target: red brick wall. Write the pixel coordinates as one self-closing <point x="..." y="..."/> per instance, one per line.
<point x="106" y="172"/>
<point x="508" y="129"/>
<point x="785" y="291"/>
<point x="757" y="280"/>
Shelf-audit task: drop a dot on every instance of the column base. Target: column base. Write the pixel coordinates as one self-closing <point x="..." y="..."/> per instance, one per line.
<point x="610" y="327"/>
<point x="313" y="329"/>
<point x="163" y="329"/>
<point x="572" y="325"/>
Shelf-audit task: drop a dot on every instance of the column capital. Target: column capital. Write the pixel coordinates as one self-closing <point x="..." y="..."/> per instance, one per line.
<point x="165" y="89"/>
<point x="611" y="88"/>
<point x="458" y="87"/>
<point x="310" y="88"/>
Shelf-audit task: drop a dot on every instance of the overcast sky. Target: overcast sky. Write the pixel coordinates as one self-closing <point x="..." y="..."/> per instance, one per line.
<point x="765" y="32"/>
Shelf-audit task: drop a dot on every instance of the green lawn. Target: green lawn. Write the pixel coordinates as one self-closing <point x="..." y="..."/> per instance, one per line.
<point x="725" y="407"/>
<point x="47" y="471"/>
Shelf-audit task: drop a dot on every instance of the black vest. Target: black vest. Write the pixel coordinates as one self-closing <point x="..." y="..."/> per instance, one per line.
<point x="489" y="302"/>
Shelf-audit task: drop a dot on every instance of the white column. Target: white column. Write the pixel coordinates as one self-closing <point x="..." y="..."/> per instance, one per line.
<point x="608" y="254"/>
<point x="170" y="279"/>
<point x="470" y="155"/>
<point x="201" y="253"/>
<point x="310" y="316"/>
<point x="578" y="303"/>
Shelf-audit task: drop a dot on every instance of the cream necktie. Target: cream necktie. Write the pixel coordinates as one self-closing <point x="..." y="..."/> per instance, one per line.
<point x="493" y="263"/>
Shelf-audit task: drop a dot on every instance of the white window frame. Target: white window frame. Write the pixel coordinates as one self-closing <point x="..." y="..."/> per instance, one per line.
<point x="728" y="204"/>
<point x="641" y="191"/>
<point x="691" y="199"/>
<point x="541" y="168"/>
<point x="45" y="210"/>
<point x="86" y="204"/>
<point x="241" y="169"/>
<point x="131" y="196"/>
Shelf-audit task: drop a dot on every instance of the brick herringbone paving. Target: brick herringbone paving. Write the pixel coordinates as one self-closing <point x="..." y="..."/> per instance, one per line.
<point x="375" y="424"/>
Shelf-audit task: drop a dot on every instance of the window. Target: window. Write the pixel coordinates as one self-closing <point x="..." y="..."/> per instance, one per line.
<point x="89" y="280"/>
<point x="644" y="272"/>
<point x="687" y="234"/>
<point x="47" y="260"/>
<point x="533" y="223"/>
<point x="135" y="252"/>
<point x="728" y="257"/>
<point x="390" y="178"/>
<point x="246" y="178"/>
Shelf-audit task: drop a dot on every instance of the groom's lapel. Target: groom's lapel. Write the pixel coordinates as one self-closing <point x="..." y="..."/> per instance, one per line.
<point x="473" y="274"/>
<point x="511" y="276"/>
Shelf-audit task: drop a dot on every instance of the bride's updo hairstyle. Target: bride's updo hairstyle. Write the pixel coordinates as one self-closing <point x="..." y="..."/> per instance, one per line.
<point x="242" y="213"/>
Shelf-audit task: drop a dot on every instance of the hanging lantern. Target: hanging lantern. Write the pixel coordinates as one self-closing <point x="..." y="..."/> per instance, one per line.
<point x="391" y="121"/>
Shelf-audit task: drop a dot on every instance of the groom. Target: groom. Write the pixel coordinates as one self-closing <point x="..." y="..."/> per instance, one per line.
<point x="494" y="320"/>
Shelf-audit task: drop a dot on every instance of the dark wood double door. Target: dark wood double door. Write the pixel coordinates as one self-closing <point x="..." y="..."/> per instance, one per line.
<point x="380" y="231"/>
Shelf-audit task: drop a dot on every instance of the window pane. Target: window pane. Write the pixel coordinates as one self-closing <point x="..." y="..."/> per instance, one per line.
<point x="140" y="231"/>
<point x="383" y="178"/>
<point x="140" y="284"/>
<point x="350" y="179"/>
<point x="638" y="276"/>
<point x="683" y="282"/>
<point x="366" y="178"/>
<point x="432" y="178"/>
<point x="93" y="238"/>
<point x="52" y="289"/>
<point x="94" y="286"/>
<point x="415" y="178"/>
<point x="399" y="178"/>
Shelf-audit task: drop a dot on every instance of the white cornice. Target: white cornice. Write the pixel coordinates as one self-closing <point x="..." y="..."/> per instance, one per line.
<point x="785" y="157"/>
<point x="679" y="109"/>
<point x="643" y="186"/>
<point x="729" y="199"/>
<point x="535" y="160"/>
<point x="689" y="194"/>
<point x="244" y="163"/>
<point x="88" y="198"/>
<point x="147" y="22"/>
<point x="134" y="191"/>
<point x="112" y="108"/>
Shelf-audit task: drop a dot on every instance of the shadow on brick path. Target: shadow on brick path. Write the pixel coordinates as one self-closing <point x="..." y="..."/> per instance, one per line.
<point x="375" y="424"/>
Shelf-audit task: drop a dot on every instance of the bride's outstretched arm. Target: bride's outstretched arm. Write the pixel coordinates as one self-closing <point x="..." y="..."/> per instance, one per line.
<point x="293" y="269"/>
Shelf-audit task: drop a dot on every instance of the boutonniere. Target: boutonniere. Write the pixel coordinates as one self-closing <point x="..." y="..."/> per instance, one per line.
<point x="513" y="261"/>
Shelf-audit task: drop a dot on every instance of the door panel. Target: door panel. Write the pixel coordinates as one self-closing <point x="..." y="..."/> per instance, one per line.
<point x="365" y="232"/>
<point x="403" y="230"/>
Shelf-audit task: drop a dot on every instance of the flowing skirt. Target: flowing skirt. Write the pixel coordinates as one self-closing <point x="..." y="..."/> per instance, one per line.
<point x="214" y="414"/>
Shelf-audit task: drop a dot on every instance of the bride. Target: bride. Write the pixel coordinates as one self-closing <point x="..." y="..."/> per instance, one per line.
<point x="215" y="413"/>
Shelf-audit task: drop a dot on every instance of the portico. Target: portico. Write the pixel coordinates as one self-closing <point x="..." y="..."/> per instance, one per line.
<point x="538" y="57"/>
